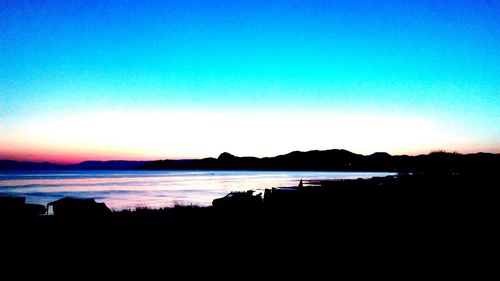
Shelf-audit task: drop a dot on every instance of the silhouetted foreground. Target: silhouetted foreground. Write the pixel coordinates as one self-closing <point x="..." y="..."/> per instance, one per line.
<point x="422" y="200"/>
<point x="16" y="207"/>
<point x="73" y="207"/>
<point x="387" y="223"/>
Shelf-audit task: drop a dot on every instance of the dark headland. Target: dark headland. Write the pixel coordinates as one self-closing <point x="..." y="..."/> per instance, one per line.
<point x="334" y="160"/>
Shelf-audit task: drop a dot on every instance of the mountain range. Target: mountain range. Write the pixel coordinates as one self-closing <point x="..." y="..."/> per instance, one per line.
<point x="315" y="160"/>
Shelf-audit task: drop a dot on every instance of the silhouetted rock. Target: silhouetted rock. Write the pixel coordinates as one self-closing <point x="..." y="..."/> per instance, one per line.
<point x="17" y="207"/>
<point x="75" y="207"/>
<point x="236" y="200"/>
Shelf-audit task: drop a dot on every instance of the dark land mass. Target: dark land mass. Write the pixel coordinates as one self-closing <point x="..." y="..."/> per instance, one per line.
<point x="335" y="160"/>
<point x="107" y="165"/>
<point x="16" y="165"/>
<point x="414" y="208"/>
<point x="440" y="209"/>
<point x="86" y="165"/>
<point x="315" y="160"/>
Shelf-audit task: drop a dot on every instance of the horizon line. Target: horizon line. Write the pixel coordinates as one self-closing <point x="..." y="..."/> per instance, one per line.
<point x="180" y="158"/>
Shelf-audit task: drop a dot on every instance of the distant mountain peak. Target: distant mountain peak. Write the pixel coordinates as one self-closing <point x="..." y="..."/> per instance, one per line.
<point x="226" y="156"/>
<point x="380" y="154"/>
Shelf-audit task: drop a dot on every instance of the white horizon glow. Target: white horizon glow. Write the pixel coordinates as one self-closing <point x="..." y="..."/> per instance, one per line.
<point x="160" y="134"/>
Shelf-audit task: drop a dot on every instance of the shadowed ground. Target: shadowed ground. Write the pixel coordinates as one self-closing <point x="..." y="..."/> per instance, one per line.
<point x="407" y="208"/>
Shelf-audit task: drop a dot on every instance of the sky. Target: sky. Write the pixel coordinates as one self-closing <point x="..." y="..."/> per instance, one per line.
<point x="143" y="80"/>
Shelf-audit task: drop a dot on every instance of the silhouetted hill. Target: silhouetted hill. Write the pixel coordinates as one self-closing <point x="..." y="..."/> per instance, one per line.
<point x="334" y="159"/>
<point x="315" y="160"/>
<point x="107" y="165"/>
<point x="15" y="165"/>
<point x="87" y="165"/>
<point x="338" y="160"/>
<point x="225" y="156"/>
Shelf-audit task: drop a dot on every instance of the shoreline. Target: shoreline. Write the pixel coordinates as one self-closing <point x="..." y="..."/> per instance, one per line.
<point x="130" y="189"/>
<point x="329" y="193"/>
<point x="423" y="212"/>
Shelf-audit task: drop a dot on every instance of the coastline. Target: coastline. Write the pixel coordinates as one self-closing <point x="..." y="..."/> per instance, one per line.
<point x="128" y="189"/>
<point x="414" y="195"/>
<point x="406" y="217"/>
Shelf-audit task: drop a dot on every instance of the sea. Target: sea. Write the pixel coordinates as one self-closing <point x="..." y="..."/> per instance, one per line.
<point x="122" y="190"/>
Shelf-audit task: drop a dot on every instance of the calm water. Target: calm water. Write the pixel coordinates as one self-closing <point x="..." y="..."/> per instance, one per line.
<point x="130" y="189"/>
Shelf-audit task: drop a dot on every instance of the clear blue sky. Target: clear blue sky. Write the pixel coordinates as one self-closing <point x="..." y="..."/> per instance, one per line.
<point x="435" y="63"/>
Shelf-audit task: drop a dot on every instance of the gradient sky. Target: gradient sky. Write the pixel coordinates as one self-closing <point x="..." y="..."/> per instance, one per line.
<point x="101" y="80"/>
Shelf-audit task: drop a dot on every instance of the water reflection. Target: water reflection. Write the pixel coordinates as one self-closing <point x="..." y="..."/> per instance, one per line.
<point x="131" y="189"/>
